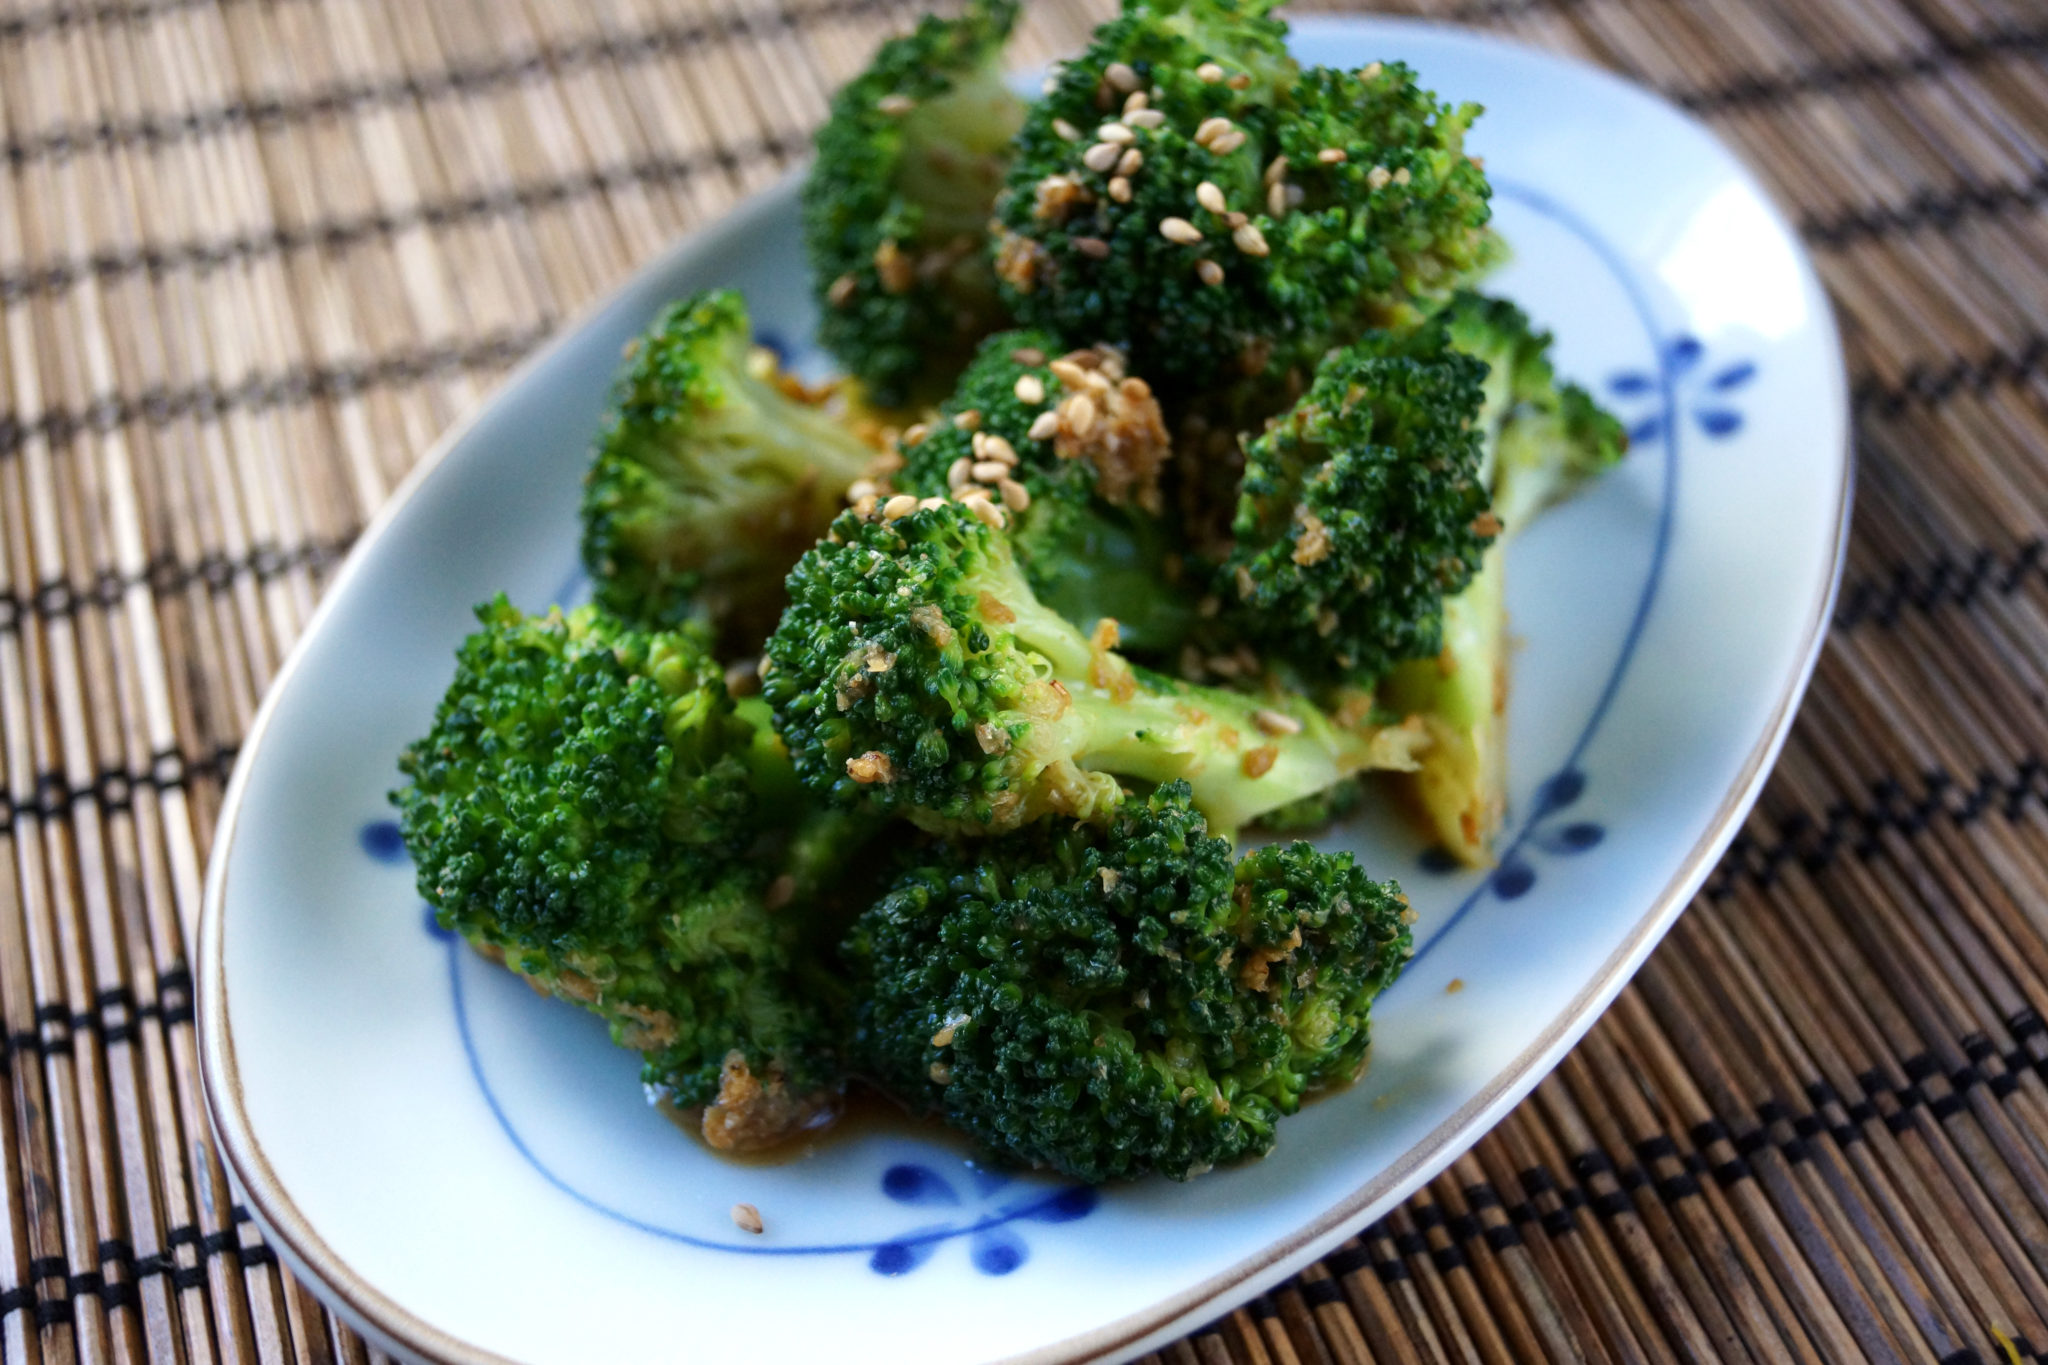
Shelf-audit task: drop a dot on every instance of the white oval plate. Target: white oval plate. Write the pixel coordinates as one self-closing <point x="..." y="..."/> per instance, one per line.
<point x="469" y="1172"/>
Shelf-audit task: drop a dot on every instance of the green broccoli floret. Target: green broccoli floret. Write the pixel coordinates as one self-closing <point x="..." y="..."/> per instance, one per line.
<point x="1111" y="1000"/>
<point x="1086" y="444"/>
<point x="1361" y="510"/>
<point x="1542" y="440"/>
<point x="585" y="810"/>
<point x="1185" y="193"/>
<point x="916" y="672"/>
<point x="713" y="474"/>
<point x="896" y="208"/>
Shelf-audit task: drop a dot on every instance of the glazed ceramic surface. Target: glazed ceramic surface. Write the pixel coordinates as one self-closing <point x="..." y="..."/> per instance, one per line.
<point x="469" y="1171"/>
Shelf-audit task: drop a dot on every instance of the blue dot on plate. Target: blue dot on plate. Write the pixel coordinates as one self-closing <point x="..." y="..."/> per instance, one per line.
<point x="433" y="924"/>
<point x="1631" y="383"/>
<point x="908" y="1183"/>
<point x="1577" y="838"/>
<point x="1561" y="790"/>
<point x="1719" y="422"/>
<point x="382" y="841"/>
<point x="1439" y="859"/>
<point x="1076" y="1201"/>
<point x="1683" y="353"/>
<point x="1513" y="879"/>
<point x="997" y="1252"/>
<point x="773" y="341"/>
<point x="1735" y="376"/>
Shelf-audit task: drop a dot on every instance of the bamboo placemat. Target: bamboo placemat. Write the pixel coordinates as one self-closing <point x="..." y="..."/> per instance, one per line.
<point x="255" y="254"/>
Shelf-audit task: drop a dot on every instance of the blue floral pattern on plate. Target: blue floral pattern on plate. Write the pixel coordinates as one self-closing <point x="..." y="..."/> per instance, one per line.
<point x="1709" y="397"/>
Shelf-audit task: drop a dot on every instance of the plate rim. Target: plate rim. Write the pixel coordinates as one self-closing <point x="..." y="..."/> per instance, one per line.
<point x="391" y="1324"/>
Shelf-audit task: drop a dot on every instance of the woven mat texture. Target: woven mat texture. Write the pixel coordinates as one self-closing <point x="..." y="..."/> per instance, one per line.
<point x="256" y="254"/>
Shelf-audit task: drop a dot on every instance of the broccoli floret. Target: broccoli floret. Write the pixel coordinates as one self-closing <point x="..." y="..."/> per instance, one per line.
<point x="1086" y="444"/>
<point x="896" y="208"/>
<point x="916" y="672"/>
<point x="714" y="472"/>
<point x="1184" y="193"/>
<point x="1361" y="510"/>
<point x="1112" y="1000"/>
<point x="1543" y="440"/>
<point x="585" y="810"/>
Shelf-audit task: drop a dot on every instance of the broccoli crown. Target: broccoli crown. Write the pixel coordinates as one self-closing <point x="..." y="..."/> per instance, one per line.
<point x="581" y="808"/>
<point x="1086" y="443"/>
<point x="1183" y="192"/>
<point x="1362" y="509"/>
<point x="714" y="472"/>
<point x="895" y="210"/>
<point x="916" y="672"/>
<point x="1114" y="1000"/>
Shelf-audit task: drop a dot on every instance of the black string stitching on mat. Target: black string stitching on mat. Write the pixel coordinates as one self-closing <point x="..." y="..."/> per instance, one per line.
<point x="113" y="788"/>
<point x="339" y="234"/>
<point x="55" y="17"/>
<point x="1561" y="1197"/>
<point x="1751" y="91"/>
<point x="1942" y="210"/>
<point x="1859" y="830"/>
<point x="1946" y="580"/>
<point x="342" y="98"/>
<point x="1927" y="386"/>
<point x="261" y="392"/>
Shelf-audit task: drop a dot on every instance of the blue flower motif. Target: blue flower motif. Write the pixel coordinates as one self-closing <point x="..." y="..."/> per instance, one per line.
<point x="1515" y="877"/>
<point x="382" y="841"/>
<point x="1704" y="396"/>
<point x="994" y="1244"/>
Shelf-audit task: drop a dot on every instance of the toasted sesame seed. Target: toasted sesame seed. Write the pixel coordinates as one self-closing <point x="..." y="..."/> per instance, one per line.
<point x="1258" y="762"/>
<point x="1250" y="240"/>
<point x="941" y="1074"/>
<point x="1029" y="388"/>
<point x="1276" y="171"/>
<point x="1118" y="133"/>
<point x="902" y="505"/>
<point x="1275" y="722"/>
<point x="747" y="1218"/>
<point x="1078" y="413"/>
<point x="895" y="105"/>
<point x="1212" y="128"/>
<point x="1401" y="177"/>
<point x="1127" y="164"/>
<point x="1145" y="118"/>
<point x="927" y="504"/>
<point x="1028" y="355"/>
<point x="1223" y="144"/>
<point x="1122" y="76"/>
<point x="1377" y="178"/>
<point x="1135" y="101"/>
<point x="999" y="450"/>
<point x="841" y="291"/>
<point x="1066" y="130"/>
<point x="986" y="512"/>
<point x="967" y="491"/>
<point x="1223" y="666"/>
<point x="1210" y="273"/>
<point x="1093" y="247"/>
<point x="1135" y="390"/>
<point x="914" y="434"/>
<point x="1209" y="73"/>
<point x="861" y="488"/>
<point x="1016" y="496"/>
<point x="1101" y="158"/>
<point x="1069" y="372"/>
<point x="871" y="767"/>
<point x="957" y="473"/>
<point x="988" y="471"/>
<point x="1120" y="190"/>
<point x="969" y="420"/>
<point x="1211" y="198"/>
<point x="1276" y="200"/>
<point x="1370" y="70"/>
<point x="1330" y="156"/>
<point x="1045" y="426"/>
<point x="1179" y="230"/>
<point x="1048" y="85"/>
<point x="1240" y="81"/>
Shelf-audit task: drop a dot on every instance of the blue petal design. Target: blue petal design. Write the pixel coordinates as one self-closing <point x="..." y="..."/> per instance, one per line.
<point x="903" y="1256"/>
<point x="1076" y="1201"/>
<point x="1573" y="838"/>
<point x="1438" y="859"/>
<point x="909" y="1183"/>
<point x="1630" y="383"/>
<point x="1560" y="791"/>
<point x="1513" y="879"/>
<point x="1682" y="353"/>
<point x="1719" y="423"/>
<point x="774" y="342"/>
<point x="382" y="841"/>
<point x="998" y="1251"/>
<point x="433" y="925"/>
<point x="1646" y="430"/>
<point x="1733" y="376"/>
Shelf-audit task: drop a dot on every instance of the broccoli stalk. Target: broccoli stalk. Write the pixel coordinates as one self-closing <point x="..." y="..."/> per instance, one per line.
<point x="713" y="474"/>
<point x="896" y="207"/>
<point x="586" y="809"/>
<point x="1115" y="999"/>
<point x="916" y="671"/>
<point x="1542" y="441"/>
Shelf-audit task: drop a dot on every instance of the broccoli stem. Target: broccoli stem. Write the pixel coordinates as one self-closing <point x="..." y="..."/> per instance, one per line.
<point x="955" y="149"/>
